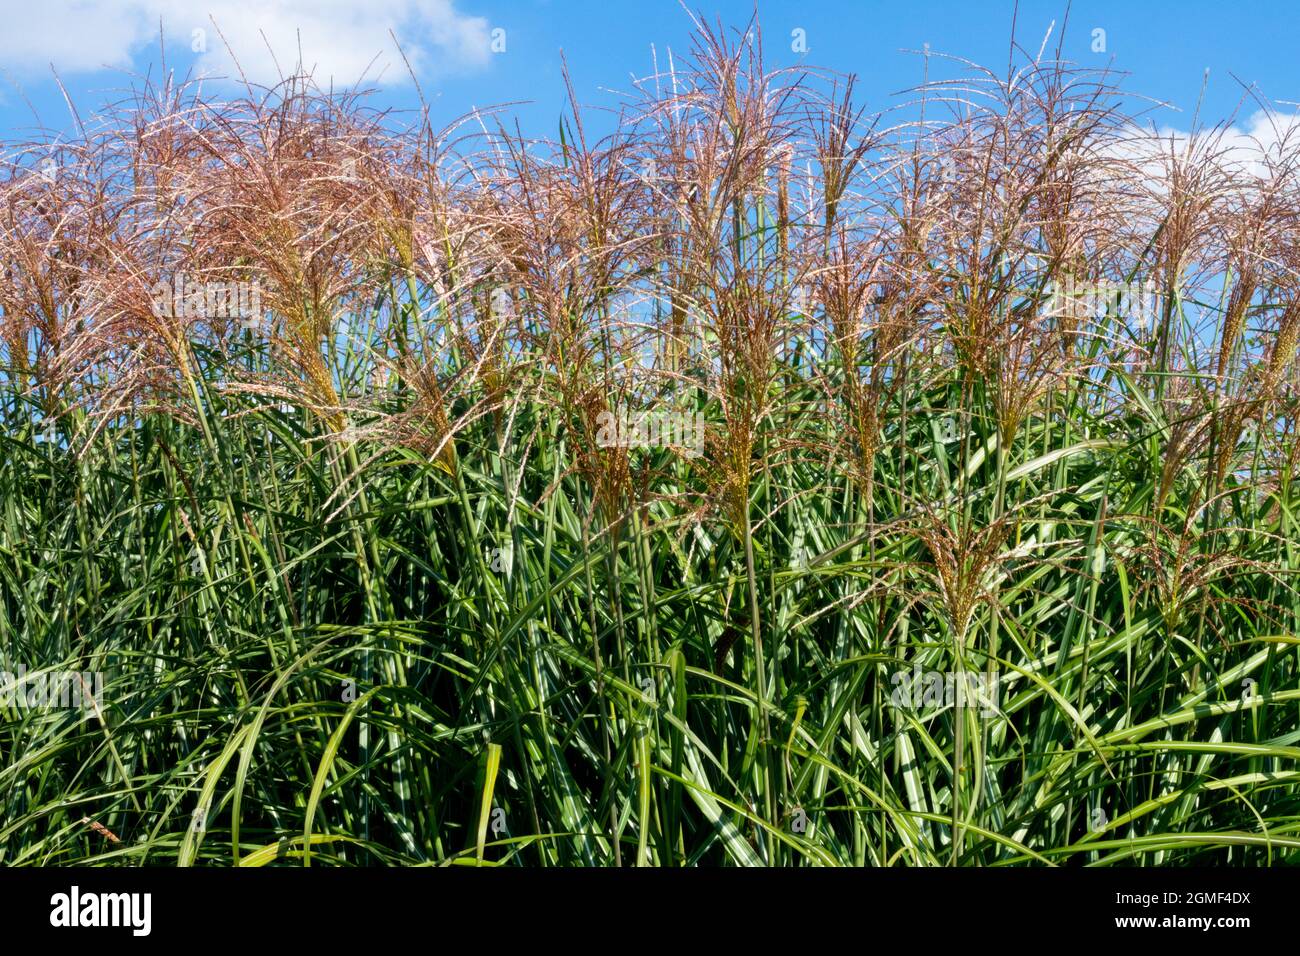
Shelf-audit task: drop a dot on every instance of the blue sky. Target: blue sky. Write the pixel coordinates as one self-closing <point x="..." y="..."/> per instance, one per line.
<point x="1166" y="46"/>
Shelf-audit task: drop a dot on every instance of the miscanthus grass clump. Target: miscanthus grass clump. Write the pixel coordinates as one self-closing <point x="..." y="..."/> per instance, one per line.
<point x="743" y="477"/>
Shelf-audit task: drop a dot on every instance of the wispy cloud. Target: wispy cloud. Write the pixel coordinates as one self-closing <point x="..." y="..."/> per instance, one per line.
<point x="1252" y="146"/>
<point x="338" y="39"/>
<point x="1249" y="146"/>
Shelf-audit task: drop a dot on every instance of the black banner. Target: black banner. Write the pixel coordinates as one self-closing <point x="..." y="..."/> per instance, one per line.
<point x="164" y="906"/>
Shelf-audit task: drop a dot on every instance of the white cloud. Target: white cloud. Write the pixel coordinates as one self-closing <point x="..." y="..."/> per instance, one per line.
<point x="1244" y="148"/>
<point x="338" y="38"/>
<point x="1264" y="136"/>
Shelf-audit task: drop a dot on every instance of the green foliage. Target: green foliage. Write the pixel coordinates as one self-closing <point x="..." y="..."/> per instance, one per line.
<point x="427" y="617"/>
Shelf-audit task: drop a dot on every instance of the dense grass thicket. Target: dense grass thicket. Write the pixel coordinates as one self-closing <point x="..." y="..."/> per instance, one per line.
<point x="994" y="389"/>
